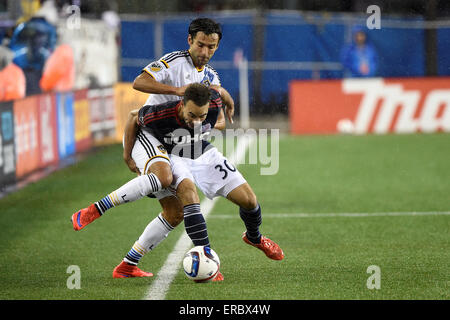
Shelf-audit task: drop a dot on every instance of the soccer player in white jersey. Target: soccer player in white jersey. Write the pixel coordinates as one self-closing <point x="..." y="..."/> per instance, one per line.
<point x="167" y="78"/>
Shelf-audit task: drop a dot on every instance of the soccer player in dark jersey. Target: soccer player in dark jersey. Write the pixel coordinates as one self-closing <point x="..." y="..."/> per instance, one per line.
<point x="183" y="126"/>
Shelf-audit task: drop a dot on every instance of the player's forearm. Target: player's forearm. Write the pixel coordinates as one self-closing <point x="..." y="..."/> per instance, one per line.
<point x="145" y="83"/>
<point x="226" y="97"/>
<point x="228" y="102"/>
<point x="220" y="123"/>
<point x="131" y="128"/>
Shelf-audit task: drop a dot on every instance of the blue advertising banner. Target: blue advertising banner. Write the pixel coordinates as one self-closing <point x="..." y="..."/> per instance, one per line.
<point x="7" y="149"/>
<point x="66" y="124"/>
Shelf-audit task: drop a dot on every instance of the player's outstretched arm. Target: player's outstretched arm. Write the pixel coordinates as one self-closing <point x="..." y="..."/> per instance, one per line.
<point x="146" y="83"/>
<point x="131" y="128"/>
<point x="220" y="123"/>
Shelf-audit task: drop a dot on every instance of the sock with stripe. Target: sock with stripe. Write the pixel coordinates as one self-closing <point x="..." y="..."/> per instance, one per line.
<point x="252" y="220"/>
<point x="131" y="191"/>
<point x="195" y="225"/>
<point x="156" y="231"/>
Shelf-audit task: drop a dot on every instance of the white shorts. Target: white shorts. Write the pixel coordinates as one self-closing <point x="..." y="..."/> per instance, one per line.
<point x="146" y="151"/>
<point x="213" y="174"/>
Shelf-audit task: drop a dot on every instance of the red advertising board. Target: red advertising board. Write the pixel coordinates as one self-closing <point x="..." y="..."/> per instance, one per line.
<point x="102" y="115"/>
<point x="26" y="127"/>
<point x="374" y="105"/>
<point x="48" y="132"/>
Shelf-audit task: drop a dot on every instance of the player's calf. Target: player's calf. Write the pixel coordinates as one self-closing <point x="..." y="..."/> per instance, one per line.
<point x="172" y="210"/>
<point x="252" y="220"/>
<point x="194" y="222"/>
<point x="249" y="210"/>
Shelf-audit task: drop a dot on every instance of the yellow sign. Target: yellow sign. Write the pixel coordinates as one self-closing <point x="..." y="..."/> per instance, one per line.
<point x="126" y="99"/>
<point x="82" y="120"/>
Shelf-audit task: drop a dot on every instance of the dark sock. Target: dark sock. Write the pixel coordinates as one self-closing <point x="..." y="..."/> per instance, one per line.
<point x="252" y="220"/>
<point x="195" y="225"/>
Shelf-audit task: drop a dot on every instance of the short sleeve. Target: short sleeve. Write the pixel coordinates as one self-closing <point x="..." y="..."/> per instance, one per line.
<point x="141" y="115"/>
<point x="157" y="70"/>
<point x="216" y="100"/>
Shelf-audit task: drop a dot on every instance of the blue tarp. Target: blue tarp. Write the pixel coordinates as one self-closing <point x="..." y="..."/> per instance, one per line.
<point x="288" y="37"/>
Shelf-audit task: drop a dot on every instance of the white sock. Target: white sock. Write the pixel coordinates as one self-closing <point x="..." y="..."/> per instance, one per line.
<point x="155" y="232"/>
<point x="131" y="191"/>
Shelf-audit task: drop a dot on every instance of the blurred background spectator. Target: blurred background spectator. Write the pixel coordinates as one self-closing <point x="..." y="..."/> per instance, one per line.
<point x="359" y="58"/>
<point x="59" y="70"/>
<point x="32" y="42"/>
<point x="12" y="79"/>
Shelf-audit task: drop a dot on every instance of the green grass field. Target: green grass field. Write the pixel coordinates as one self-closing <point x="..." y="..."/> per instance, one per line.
<point x="326" y="256"/>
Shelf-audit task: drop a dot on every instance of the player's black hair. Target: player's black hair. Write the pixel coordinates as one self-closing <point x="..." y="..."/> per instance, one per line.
<point x="197" y="93"/>
<point x="206" y="25"/>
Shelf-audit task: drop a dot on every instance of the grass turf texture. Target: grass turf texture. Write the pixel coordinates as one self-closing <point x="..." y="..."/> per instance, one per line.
<point x="326" y="258"/>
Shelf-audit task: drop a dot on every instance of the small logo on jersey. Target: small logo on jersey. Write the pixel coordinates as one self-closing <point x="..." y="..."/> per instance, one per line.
<point x="162" y="149"/>
<point x="182" y="136"/>
<point x="206" y="82"/>
<point x="156" y="66"/>
<point x="208" y="78"/>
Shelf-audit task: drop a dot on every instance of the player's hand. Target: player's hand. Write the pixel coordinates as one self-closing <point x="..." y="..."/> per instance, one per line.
<point x="229" y="110"/>
<point x="227" y="101"/>
<point x="180" y="90"/>
<point x="131" y="164"/>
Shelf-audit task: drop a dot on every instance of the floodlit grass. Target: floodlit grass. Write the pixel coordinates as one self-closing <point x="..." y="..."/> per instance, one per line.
<point x="326" y="257"/>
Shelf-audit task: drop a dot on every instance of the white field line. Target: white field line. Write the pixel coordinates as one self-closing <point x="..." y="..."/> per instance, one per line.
<point x="340" y="215"/>
<point x="165" y="276"/>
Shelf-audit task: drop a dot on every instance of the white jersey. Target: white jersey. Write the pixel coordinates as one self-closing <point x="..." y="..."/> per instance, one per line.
<point x="177" y="69"/>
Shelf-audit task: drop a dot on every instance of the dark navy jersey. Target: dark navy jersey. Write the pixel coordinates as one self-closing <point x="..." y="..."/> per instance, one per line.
<point x="163" y="123"/>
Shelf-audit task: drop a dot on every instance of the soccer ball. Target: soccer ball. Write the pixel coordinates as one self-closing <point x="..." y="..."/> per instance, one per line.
<point x="201" y="264"/>
<point x="345" y="126"/>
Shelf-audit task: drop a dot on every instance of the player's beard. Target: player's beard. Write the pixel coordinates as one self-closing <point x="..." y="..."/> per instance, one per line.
<point x="201" y="61"/>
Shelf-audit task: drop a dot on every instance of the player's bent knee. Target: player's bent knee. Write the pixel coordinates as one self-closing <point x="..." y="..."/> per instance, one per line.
<point x="187" y="192"/>
<point x="189" y="197"/>
<point x="166" y="180"/>
<point x="244" y="197"/>
<point x="250" y="201"/>
<point x="164" y="173"/>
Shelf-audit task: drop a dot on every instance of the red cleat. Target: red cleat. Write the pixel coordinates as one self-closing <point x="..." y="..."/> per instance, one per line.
<point x="83" y="217"/>
<point x="270" y="248"/>
<point x="218" y="277"/>
<point x="125" y="270"/>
